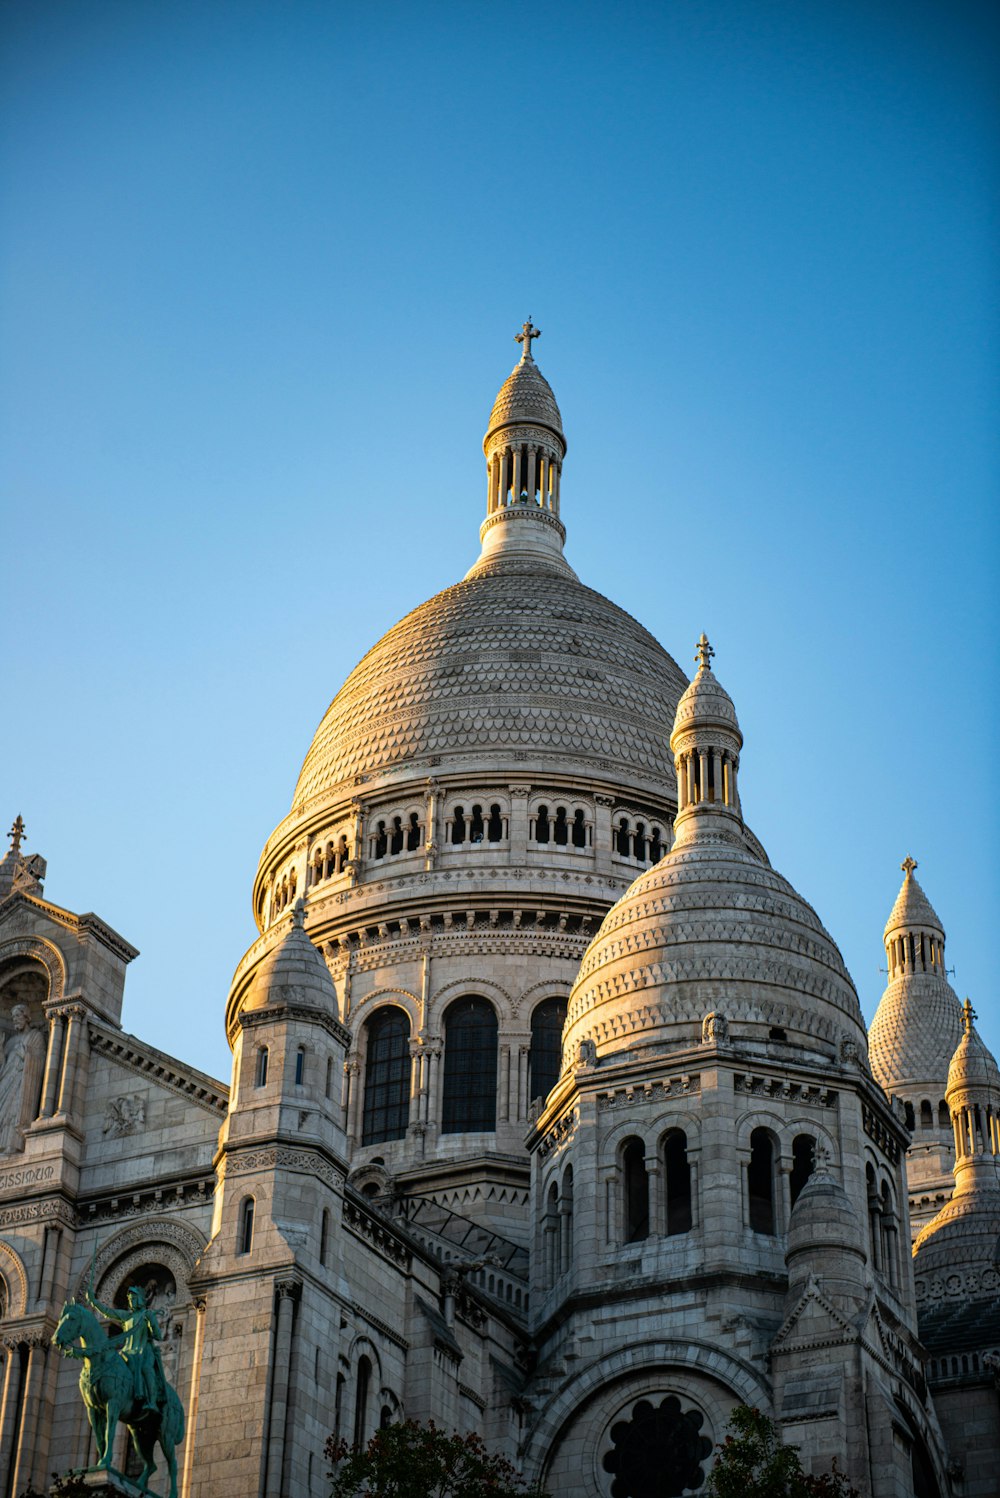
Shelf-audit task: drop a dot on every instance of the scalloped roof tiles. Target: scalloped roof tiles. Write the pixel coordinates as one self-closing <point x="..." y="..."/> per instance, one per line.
<point x="913" y="1036"/>
<point x="705" y="701"/>
<point x="525" y="396"/>
<point x="912" y="908"/>
<point x="520" y="658"/>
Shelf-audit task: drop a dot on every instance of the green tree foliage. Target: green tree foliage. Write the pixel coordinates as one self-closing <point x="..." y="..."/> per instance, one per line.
<point x="753" y="1463"/>
<point x="410" y="1460"/>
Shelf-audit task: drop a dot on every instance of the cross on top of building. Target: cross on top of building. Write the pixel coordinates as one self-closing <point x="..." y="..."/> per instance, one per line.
<point x="968" y="1015"/>
<point x="16" y="833"/>
<point x="908" y="865"/>
<point x="703" y="653"/>
<point x="525" y="336"/>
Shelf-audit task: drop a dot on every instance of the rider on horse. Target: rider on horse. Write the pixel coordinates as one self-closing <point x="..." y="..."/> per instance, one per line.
<point x="142" y="1356"/>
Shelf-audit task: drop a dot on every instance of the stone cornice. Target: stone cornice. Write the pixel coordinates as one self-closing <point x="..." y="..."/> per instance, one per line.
<point x="136" y="1056"/>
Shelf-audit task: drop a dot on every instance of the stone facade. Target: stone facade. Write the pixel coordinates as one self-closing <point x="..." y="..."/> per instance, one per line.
<point x="551" y="1113"/>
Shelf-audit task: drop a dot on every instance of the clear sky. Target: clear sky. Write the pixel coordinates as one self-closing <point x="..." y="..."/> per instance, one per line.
<point x="262" y="264"/>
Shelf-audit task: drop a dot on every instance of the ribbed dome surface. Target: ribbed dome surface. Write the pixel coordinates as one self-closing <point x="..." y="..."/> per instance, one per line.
<point x="293" y="972"/>
<point x="913" y="1036"/>
<point x="912" y="908"/>
<point x="705" y="701"/>
<point x="973" y="1065"/>
<point x="522" y="657"/>
<point x="525" y="396"/>
<point x="709" y="927"/>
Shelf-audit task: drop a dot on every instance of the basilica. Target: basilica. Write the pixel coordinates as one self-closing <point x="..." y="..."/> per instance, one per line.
<point x="552" y="1115"/>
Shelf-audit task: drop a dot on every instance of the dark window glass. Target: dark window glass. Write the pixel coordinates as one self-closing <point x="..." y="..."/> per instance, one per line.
<point x="579" y="830"/>
<point x="803" y="1163"/>
<point x="655" y="845"/>
<point x="542" y="825"/>
<point x="261" y="1078"/>
<point x="413" y="833"/>
<point x="636" y="1191"/>
<point x="458" y="826"/>
<point x="639" y="841"/>
<point x="560" y="832"/>
<point x="760" y="1182"/>
<point x="300" y="1066"/>
<point x="477" y="828"/>
<point x="387" y="1077"/>
<point x="470" y="1067"/>
<point x="658" y="1452"/>
<point x="678" y="1182"/>
<point x="545" y="1057"/>
<point x="396" y="840"/>
<point x="944" y="1117"/>
<point x="246" y="1226"/>
<point x="622" y="840"/>
<point x="494" y="827"/>
<point x="381" y="841"/>
<point x="361" y="1402"/>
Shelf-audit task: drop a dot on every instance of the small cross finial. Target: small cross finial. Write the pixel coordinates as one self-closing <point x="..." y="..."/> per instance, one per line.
<point x="525" y="336"/>
<point x="908" y="865"/>
<point x="703" y="653"/>
<point x="968" y="1015"/>
<point x="16" y="833"/>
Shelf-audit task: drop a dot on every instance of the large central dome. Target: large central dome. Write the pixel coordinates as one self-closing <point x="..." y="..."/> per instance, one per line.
<point x="520" y="657"/>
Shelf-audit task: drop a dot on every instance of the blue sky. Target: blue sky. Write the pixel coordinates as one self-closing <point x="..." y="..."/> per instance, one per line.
<point x="260" y="272"/>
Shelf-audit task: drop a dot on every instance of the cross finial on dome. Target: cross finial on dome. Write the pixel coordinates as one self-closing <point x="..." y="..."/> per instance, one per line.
<point x="703" y="653"/>
<point x="968" y="1015"/>
<point x="908" y="865"/>
<point x="299" y="913"/>
<point x="525" y="336"/>
<point x="16" y="833"/>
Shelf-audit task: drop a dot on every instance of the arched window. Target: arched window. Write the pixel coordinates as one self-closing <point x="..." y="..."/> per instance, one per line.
<point x="911" y="1122"/>
<point x="494" y="827"/>
<point x="639" y="841"/>
<point x="413" y="833"/>
<point x="330" y="866"/>
<point x="542" y="825"/>
<point x="260" y="1074"/>
<point x="545" y="1056"/>
<point x="338" y="1406"/>
<point x="579" y="829"/>
<point x="678" y="1182"/>
<point x="458" y="825"/>
<point x="386" y="1110"/>
<point x="324" y="1234"/>
<point x="317" y="866"/>
<point x="470" y="1067"/>
<point x="655" y="845"/>
<point x="385" y="1418"/>
<point x="328" y="1085"/>
<point x="477" y="827"/>
<point x="380" y="845"/>
<point x="926" y="1115"/>
<point x="244" y="1242"/>
<point x="396" y="837"/>
<point x="300" y="1065"/>
<point x="552" y="1253"/>
<point x="636" y="1184"/>
<point x="623" y="842"/>
<point x="760" y="1182"/>
<point x="803" y="1164"/>
<point x="944" y="1117"/>
<point x="343" y="854"/>
<point x="560" y="832"/>
<point x="890" y="1262"/>
<point x="566" y="1221"/>
<point x="361" y="1402"/>
<point x="874" y="1217"/>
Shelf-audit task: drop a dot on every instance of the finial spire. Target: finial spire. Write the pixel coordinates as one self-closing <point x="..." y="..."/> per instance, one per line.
<point x="16" y="833"/>
<point x="703" y="653"/>
<point x="968" y="1015"/>
<point x="525" y="336"/>
<point x="908" y="865"/>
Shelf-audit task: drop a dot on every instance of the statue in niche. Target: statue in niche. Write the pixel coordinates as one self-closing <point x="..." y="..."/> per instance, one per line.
<point x="23" y="1059"/>
<point x="715" y="1029"/>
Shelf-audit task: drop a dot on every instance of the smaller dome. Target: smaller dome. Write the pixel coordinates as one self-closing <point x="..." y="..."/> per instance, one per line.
<point x="525" y="397"/>
<point x="822" y="1218"/>
<point x="293" y="974"/>
<point x="973" y="1064"/>
<point x="706" y="703"/>
<point x="912" y="907"/>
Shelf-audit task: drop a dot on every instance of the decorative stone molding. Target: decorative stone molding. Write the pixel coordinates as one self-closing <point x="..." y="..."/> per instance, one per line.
<point x="42" y="951"/>
<point x="755" y="1084"/>
<point x="880" y="1134"/>
<point x="559" y="1134"/>
<point x="277" y="1157"/>
<point x="41" y="1212"/>
<point x="654" y="1092"/>
<point x="376" y="1235"/>
<point x="126" y="1051"/>
<point x="187" y="1243"/>
<point x="16" y="1279"/>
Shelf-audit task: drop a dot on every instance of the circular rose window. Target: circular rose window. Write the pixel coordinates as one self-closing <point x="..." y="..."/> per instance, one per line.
<point x="658" y="1451"/>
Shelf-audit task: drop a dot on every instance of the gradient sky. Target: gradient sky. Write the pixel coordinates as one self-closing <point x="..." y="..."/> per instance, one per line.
<point x="260" y="272"/>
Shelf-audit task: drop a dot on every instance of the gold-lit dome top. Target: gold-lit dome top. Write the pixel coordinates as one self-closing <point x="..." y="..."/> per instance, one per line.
<point x="912" y="907"/>
<point x="706" y="703"/>
<point x="973" y="1064"/>
<point x="525" y="397"/>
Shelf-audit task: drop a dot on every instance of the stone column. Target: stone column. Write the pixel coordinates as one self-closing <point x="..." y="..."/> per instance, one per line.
<point x="53" y="1060"/>
<point x="31" y="1409"/>
<point x="654" y="1197"/>
<point x="523" y="1082"/>
<point x="532" y="462"/>
<point x="431" y="807"/>
<point x="689" y="779"/>
<point x="352" y="1073"/>
<point x="433" y="1100"/>
<point x="288" y="1292"/>
<point x="603" y="833"/>
<point x="518" y="825"/>
<point x="517" y="473"/>
<point x="503" y="1085"/>
<point x="193" y="1399"/>
<point x="71" y="1056"/>
<point x="9" y="1402"/>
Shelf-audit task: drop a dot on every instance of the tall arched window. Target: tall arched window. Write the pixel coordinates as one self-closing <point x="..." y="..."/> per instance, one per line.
<point x="245" y="1232"/>
<point x="470" y="1067"/>
<point x="386" y="1112"/>
<point x="300" y="1066"/>
<point x="760" y="1182"/>
<point x="361" y="1402"/>
<point x="678" y="1182"/>
<point x="545" y="1057"/>
<point x="566" y="1221"/>
<point x="636" y="1184"/>
<point x="260" y="1075"/>
<point x="803" y="1164"/>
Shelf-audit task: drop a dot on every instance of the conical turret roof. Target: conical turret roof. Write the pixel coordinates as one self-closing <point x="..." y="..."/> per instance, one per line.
<point x="912" y="907"/>
<point x="525" y="397"/>
<point x="293" y="973"/>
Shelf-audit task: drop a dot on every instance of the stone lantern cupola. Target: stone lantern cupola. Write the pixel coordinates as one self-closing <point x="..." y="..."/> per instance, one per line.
<point x="524" y="448"/>
<point x="706" y="743"/>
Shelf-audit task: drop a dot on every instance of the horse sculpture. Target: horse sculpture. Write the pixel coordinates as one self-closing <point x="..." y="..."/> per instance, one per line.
<point x="109" y="1388"/>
